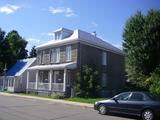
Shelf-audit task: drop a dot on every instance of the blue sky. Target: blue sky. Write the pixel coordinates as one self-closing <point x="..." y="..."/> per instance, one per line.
<point x="35" y="20"/>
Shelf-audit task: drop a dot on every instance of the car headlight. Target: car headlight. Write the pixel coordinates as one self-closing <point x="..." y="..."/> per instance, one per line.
<point x="96" y="103"/>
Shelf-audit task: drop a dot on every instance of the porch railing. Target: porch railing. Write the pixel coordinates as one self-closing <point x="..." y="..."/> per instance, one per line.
<point x="57" y="86"/>
<point x="31" y="85"/>
<point x="45" y="86"/>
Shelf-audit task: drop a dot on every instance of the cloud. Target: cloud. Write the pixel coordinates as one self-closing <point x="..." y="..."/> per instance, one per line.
<point x="8" y="9"/>
<point x="33" y="40"/>
<point x="56" y="10"/>
<point x="68" y="12"/>
<point x="51" y="34"/>
<point x="94" y="24"/>
<point x="48" y="34"/>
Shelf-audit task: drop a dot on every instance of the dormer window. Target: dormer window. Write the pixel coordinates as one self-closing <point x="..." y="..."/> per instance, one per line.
<point x="58" y="36"/>
<point x="62" y="33"/>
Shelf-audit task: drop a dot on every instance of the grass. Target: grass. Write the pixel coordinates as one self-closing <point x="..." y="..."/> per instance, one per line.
<point x="74" y="99"/>
<point x="85" y="100"/>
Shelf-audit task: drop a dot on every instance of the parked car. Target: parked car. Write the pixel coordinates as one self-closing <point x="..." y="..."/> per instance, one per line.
<point x="141" y="104"/>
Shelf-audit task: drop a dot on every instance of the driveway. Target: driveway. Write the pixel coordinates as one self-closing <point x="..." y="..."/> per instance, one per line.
<point x="17" y="108"/>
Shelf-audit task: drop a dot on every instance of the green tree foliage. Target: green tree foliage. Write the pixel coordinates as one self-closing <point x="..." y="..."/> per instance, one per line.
<point x="2" y="34"/>
<point x="142" y="45"/>
<point x="86" y="83"/>
<point x="12" y="49"/>
<point x="33" y="52"/>
<point x="154" y="82"/>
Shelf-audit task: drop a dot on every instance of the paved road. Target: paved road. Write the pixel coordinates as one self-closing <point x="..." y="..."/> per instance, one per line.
<point x="15" y="108"/>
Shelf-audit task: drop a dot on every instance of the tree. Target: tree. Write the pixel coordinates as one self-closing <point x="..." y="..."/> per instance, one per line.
<point x="12" y="49"/>
<point x="2" y="35"/>
<point x="86" y="83"/>
<point x="142" y="44"/>
<point x="154" y="81"/>
<point x="33" y="52"/>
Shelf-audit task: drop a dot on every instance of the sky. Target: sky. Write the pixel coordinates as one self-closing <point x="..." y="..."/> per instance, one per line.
<point x="36" y="20"/>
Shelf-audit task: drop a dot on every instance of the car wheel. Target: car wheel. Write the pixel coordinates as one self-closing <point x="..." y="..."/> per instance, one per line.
<point x="102" y="109"/>
<point x="147" y="115"/>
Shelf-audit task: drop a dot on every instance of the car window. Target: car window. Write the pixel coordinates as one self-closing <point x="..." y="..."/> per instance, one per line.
<point x="123" y="96"/>
<point x="149" y="96"/>
<point x="136" y="97"/>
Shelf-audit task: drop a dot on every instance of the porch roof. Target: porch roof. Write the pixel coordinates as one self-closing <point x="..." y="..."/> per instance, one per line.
<point x="71" y="65"/>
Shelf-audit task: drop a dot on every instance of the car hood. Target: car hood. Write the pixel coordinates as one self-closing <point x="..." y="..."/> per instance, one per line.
<point x="104" y="101"/>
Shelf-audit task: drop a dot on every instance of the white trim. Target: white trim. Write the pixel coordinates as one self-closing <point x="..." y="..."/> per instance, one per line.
<point x="50" y="79"/>
<point x="64" y="80"/>
<point x="36" y="85"/>
<point x="27" y="79"/>
<point x="71" y="65"/>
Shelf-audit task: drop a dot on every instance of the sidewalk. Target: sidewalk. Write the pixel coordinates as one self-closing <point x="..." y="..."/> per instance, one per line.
<point x="83" y="105"/>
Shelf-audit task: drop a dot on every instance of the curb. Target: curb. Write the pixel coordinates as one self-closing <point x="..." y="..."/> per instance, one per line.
<point x="78" y="104"/>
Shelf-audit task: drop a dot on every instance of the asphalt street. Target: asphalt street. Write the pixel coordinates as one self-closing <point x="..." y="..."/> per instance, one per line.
<point x="16" y="108"/>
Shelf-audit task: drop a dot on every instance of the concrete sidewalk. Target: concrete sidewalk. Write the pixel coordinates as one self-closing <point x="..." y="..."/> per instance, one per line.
<point x="84" y="105"/>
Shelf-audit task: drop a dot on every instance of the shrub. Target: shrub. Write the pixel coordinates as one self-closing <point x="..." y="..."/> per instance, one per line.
<point x="58" y="96"/>
<point x="87" y="83"/>
<point x="155" y="82"/>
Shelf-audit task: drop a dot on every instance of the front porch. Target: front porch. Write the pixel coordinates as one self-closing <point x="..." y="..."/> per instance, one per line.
<point x="48" y="80"/>
<point x="53" y="78"/>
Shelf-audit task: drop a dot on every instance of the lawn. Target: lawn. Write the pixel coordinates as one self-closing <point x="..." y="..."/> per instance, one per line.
<point x="85" y="100"/>
<point x="74" y="99"/>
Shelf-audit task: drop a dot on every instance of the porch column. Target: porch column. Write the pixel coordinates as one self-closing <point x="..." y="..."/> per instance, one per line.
<point x="50" y="80"/>
<point x="64" y="80"/>
<point x="36" y="86"/>
<point x="27" y="79"/>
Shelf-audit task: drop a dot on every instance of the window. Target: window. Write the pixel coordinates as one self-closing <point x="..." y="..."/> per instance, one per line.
<point x="58" y="35"/>
<point x="55" y="55"/>
<point x="123" y="96"/>
<point x="43" y="77"/>
<point x="104" y="58"/>
<point x="58" y="76"/>
<point x="68" y="53"/>
<point x="136" y="97"/>
<point x="42" y="57"/>
<point x="104" y="80"/>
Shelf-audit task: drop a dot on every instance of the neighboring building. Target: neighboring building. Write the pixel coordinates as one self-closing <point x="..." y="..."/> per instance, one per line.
<point x="16" y="77"/>
<point x="59" y="60"/>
